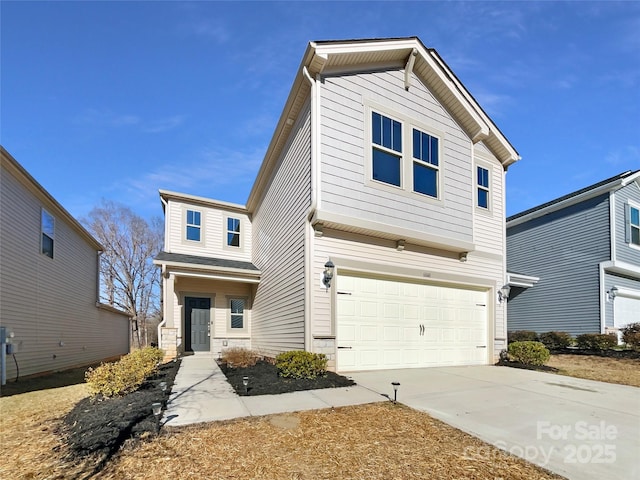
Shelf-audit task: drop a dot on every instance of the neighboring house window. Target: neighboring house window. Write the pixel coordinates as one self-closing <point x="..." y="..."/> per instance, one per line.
<point x="634" y="225"/>
<point x="483" y="187"/>
<point x="237" y="313"/>
<point x="194" y="225"/>
<point x="48" y="233"/>
<point x="386" y="136"/>
<point x="425" y="163"/>
<point x="233" y="232"/>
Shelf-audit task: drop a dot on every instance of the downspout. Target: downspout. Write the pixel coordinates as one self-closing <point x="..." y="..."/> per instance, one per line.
<point x="308" y="231"/>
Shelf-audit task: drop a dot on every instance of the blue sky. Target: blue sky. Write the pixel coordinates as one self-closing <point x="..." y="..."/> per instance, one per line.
<point x="116" y="100"/>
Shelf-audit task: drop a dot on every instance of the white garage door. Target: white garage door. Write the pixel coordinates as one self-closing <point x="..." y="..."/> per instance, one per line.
<point x="626" y="311"/>
<point x="384" y="324"/>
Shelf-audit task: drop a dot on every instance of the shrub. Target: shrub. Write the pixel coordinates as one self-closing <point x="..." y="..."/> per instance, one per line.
<point x="522" y="336"/>
<point x="239" y="357"/>
<point x="528" y="353"/>
<point x="631" y="334"/>
<point x="556" y="340"/>
<point x="596" y="341"/>
<point x="124" y="376"/>
<point x="301" y="364"/>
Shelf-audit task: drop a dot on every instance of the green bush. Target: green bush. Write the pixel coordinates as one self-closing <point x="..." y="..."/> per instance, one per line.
<point x="301" y="364"/>
<point x="124" y="376"/>
<point x="239" y="357"/>
<point x="522" y="336"/>
<point x="596" y="341"/>
<point x="528" y="353"/>
<point x="631" y="335"/>
<point x="556" y="340"/>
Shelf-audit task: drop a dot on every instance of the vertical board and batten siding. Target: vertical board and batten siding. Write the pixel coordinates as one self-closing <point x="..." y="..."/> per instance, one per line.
<point x="383" y="255"/>
<point x="213" y="232"/>
<point x="46" y="301"/>
<point x="344" y="188"/>
<point x="488" y="225"/>
<point x="564" y="249"/>
<point x="279" y="247"/>
<point x="619" y="281"/>
<point x="625" y="252"/>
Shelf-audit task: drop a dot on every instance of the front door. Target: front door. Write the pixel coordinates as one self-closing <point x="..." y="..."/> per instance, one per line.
<point x="196" y="319"/>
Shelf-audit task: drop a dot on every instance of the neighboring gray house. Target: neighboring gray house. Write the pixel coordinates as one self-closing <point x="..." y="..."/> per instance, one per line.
<point x="584" y="248"/>
<point x="374" y="232"/>
<point x="49" y="283"/>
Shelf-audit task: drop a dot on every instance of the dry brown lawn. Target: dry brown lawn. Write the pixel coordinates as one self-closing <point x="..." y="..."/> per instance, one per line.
<point x="378" y="441"/>
<point x="625" y="371"/>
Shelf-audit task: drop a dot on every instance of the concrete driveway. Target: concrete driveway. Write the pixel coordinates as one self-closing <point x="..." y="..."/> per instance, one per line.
<point x="577" y="428"/>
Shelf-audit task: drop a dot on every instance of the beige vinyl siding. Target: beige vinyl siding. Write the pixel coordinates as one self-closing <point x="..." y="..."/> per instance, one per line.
<point x="418" y="262"/>
<point x="488" y="226"/>
<point x="279" y="226"/>
<point x="213" y="232"/>
<point x="46" y="301"/>
<point x="344" y="186"/>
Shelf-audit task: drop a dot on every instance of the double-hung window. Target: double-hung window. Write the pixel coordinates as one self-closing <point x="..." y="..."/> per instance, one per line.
<point x="236" y="306"/>
<point x="634" y="225"/>
<point x="47" y="228"/>
<point x="482" y="180"/>
<point x="386" y="138"/>
<point x="233" y="232"/>
<point x="425" y="163"/>
<point x="194" y="225"/>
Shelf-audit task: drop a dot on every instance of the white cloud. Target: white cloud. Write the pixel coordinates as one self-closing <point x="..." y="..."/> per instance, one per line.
<point x="627" y="157"/>
<point x="105" y="118"/>
<point x="164" y="124"/>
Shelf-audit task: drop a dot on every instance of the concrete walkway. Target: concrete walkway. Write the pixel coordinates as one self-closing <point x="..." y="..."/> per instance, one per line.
<point x="577" y="428"/>
<point x="201" y="393"/>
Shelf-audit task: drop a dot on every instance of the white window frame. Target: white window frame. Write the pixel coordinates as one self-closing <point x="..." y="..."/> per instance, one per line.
<point x="51" y="235"/>
<point x="479" y="187"/>
<point x="406" y="161"/>
<point x="419" y="161"/>
<point x="632" y="226"/>
<point x="245" y="314"/>
<point x="193" y="225"/>
<point x="225" y="238"/>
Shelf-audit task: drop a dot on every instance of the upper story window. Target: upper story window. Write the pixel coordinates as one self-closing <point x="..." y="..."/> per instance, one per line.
<point x="634" y="225"/>
<point x="404" y="155"/>
<point x="47" y="228"/>
<point x="233" y="232"/>
<point x="425" y="163"/>
<point x="194" y="225"/>
<point x="482" y="179"/>
<point x="386" y="136"/>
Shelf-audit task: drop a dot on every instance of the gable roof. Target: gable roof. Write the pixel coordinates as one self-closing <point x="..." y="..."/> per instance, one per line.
<point x="24" y="177"/>
<point x="322" y="57"/>
<point x="613" y="183"/>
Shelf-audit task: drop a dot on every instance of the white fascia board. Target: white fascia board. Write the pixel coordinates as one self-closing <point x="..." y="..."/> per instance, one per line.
<point x="631" y="178"/>
<point x="627" y="292"/>
<point x="622" y="268"/>
<point x="326" y="49"/>
<point x="212" y="276"/>
<point x="560" y="205"/>
<point x="207" y="268"/>
<point x="208" y="202"/>
<point x="385" y="230"/>
<point x="519" y="280"/>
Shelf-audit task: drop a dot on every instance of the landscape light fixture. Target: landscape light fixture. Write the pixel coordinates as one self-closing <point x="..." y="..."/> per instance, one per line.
<point x="163" y="386"/>
<point x="503" y="293"/>
<point x="327" y="275"/>
<point x="245" y="382"/>
<point x="395" y="391"/>
<point x="156" y="407"/>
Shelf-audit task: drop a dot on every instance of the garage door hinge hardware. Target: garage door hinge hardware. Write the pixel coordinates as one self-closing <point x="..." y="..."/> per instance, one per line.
<point x="344" y="293"/>
<point x="347" y="348"/>
<point x="480" y="305"/>
<point x="422" y="330"/>
<point x="481" y="346"/>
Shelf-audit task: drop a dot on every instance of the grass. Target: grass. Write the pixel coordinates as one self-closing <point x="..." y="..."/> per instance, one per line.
<point x="624" y="371"/>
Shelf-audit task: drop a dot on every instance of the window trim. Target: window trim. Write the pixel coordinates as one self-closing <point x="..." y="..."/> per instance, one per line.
<point x="628" y="225"/>
<point x="245" y="314"/>
<point x="185" y="224"/>
<point x="424" y="163"/>
<point x="226" y="231"/>
<point x="406" y="160"/>
<point x="478" y="187"/>
<point x="52" y="236"/>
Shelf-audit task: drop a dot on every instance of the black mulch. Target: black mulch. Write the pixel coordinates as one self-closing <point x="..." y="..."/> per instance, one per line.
<point x="264" y="380"/>
<point x="539" y="368"/>
<point x="100" y="426"/>
<point x="599" y="353"/>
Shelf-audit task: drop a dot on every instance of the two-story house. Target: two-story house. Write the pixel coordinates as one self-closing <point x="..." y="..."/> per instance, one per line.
<point x="374" y="232"/>
<point x="584" y="248"/>
<point x="50" y="313"/>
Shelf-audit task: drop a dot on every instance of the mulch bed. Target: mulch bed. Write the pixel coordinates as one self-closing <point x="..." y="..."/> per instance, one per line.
<point x="98" y="427"/>
<point x="598" y="353"/>
<point x="264" y="380"/>
<point x="538" y="368"/>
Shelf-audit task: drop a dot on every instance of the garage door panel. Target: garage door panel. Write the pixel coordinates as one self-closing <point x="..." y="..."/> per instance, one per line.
<point x="380" y="324"/>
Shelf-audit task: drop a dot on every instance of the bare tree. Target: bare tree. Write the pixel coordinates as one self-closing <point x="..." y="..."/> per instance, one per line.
<point x="129" y="279"/>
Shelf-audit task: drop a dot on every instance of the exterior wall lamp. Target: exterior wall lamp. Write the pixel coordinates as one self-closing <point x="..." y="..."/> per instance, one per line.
<point x="503" y="294"/>
<point x="463" y="257"/>
<point x="612" y="294"/>
<point x="327" y="275"/>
